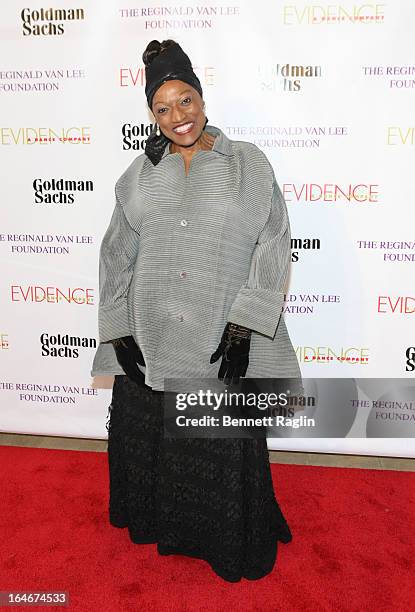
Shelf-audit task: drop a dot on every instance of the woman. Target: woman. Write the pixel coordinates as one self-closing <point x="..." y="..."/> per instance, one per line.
<point x="193" y="269"/>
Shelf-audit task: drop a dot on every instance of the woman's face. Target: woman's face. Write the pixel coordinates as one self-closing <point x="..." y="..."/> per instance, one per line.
<point x="178" y="109"/>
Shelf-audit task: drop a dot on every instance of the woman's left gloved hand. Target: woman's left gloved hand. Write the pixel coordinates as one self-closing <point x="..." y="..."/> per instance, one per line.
<point x="234" y="349"/>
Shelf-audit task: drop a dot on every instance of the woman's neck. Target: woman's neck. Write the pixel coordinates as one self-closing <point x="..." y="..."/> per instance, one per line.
<point x="204" y="143"/>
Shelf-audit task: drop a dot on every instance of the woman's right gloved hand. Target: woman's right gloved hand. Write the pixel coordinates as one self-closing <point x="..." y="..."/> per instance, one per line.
<point x="128" y="356"/>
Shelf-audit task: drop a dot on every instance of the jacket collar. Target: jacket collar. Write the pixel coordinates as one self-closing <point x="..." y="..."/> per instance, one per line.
<point x="222" y="143"/>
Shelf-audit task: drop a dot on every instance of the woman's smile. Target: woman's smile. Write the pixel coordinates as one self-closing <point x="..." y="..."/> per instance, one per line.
<point x="185" y="128"/>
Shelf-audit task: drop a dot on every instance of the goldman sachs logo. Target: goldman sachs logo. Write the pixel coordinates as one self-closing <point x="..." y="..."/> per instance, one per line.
<point x="59" y="191"/>
<point x="48" y="22"/>
<point x="286" y="77"/>
<point x="307" y="244"/>
<point x="135" y="136"/>
<point x="64" y="345"/>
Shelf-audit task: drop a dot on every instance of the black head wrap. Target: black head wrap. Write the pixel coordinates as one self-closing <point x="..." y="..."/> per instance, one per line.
<point x="165" y="63"/>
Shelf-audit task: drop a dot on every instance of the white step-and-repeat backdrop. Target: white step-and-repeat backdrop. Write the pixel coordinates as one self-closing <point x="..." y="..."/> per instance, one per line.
<point x="325" y="89"/>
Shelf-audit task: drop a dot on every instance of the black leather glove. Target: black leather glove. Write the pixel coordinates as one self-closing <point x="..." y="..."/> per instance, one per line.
<point x="234" y="349"/>
<point x="128" y="355"/>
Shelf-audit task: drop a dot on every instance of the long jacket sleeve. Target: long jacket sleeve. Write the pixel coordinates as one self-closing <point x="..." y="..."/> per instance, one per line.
<point x="258" y="305"/>
<point x="118" y="254"/>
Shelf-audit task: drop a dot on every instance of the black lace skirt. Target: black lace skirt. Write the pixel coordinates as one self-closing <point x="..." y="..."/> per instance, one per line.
<point x="207" y="498"/>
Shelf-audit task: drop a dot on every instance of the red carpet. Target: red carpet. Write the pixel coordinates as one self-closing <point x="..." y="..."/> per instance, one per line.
<point x="352" y="549"/>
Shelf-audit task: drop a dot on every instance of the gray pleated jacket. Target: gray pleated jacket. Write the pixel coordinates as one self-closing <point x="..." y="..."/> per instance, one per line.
<point x="185" y="254"/>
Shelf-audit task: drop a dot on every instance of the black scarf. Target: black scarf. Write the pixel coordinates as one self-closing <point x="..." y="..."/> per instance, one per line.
<point x="171" y="64"/>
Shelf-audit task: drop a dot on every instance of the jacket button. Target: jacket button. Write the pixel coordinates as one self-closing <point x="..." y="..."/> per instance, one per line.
<point x="180" y="317"/>
<point x="183" y="275"/>
<point x="183" y="222"/>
